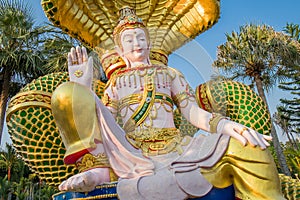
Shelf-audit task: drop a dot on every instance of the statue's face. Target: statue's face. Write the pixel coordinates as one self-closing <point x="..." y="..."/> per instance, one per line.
<point x="135" y="45"/>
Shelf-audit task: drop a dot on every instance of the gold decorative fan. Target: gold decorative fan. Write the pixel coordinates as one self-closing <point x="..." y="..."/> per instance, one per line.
<point x="171" y="23"/>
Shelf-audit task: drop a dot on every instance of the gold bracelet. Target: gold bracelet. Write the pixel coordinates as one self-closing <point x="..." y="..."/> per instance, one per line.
<point x="214" y="121"/>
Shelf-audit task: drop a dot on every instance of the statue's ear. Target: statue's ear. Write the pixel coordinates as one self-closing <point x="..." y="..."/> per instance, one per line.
<point x="121" y="54"/>
<point x="119" y="51"/>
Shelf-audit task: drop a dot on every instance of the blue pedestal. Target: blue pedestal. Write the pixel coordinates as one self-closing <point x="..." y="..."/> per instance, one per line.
<point x="109" y="192"/>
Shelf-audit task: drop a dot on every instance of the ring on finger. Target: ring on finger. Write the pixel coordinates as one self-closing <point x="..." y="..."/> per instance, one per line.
<point x="75" y="62"/>
<point x="243" y="130"/>
<point x="84" y="60"/>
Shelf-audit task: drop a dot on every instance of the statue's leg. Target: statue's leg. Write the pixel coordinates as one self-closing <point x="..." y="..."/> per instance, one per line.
<point x="74" y="110"/>
<point x="73" y="107"/>
<point x="251" y="170"/>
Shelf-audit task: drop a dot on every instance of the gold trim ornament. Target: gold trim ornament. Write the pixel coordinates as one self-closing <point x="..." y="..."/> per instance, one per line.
<point x="128" y="20"/>
<point x="214" y="121"/>
<point x="78" y="73"/>
<point x="157" y="141"/>
<point x="90" y="161"/>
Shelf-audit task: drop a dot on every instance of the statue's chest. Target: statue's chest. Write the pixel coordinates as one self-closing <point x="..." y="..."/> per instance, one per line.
<point x="151" y="79"/>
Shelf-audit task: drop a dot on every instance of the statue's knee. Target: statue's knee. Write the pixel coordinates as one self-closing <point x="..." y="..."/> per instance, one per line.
<point x="62" y="95"/>
<point x="68" y="94"/>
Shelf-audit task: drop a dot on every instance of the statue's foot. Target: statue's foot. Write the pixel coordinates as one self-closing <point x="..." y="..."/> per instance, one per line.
<point x="86" y="181"/>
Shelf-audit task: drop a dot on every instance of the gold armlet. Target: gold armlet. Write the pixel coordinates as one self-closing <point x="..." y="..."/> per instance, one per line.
<point x="214" y="121"/>
<point x="180" y="97"/>
<point x="107" y="101"/>
<point x="90" y="161"/>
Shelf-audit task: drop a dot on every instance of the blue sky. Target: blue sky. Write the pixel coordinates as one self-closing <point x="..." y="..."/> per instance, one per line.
<point x="195" y="59"/>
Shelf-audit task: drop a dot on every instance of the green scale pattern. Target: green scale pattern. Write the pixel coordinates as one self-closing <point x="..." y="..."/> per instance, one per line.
<point x="35" y="136"/>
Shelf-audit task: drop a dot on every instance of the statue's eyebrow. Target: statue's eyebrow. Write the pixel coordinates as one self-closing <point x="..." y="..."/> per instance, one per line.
<point x="141" y="34"/>
<point x="127" y="35"/>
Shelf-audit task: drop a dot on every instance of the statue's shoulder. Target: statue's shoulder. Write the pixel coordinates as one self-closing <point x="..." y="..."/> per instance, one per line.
<point x="175" y="72"/>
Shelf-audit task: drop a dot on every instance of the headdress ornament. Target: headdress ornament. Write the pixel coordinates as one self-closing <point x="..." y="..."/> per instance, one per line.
<point x="128" y="19"/>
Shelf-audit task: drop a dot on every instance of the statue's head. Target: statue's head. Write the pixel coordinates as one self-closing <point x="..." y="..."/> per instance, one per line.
<point x="131" y="36"/>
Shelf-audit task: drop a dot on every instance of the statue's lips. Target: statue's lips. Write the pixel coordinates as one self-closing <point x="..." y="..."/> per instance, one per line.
<point x="137" y="50"/>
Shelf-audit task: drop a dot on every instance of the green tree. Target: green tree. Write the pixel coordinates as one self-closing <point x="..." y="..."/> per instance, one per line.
<point x="19" y="58"/>
<point x="21" y="189"/>
<point x="258" y="54"/>
<point x="293" y="30"/>
<point x="27" y="51"/>
<point x="283" y="119"/>
<point x="293" y="158"/>
<point x="9" y="160"/>
<point x="45" y="192"/>
<point x="5" y="188"/>
<point x="292" y="84"/>
<point x="55" y="49"/>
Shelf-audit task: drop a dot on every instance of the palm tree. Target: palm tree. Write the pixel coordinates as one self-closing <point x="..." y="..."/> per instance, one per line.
<point x="258" y="54"/>
<point x="55" y="49"/>
<point x="27" y="51"/>
<point x="8" y="160"/>
<point x="19" y="56"/>
<point x="293" y="30"/>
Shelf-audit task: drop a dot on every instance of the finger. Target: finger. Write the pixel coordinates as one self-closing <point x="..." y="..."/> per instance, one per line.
<point x="243" y="131"/>
<point x="70" y="61"/>
<point x="258" y="138"/>
<point x="79" y="54"/>
<point x="251" y="139"/>
<point x="266" y="143"/>
<point x="240" y="137"/>
<point x="84" y="54"/>
<point x="74" y="56"/>
<point x="267" y="137"/>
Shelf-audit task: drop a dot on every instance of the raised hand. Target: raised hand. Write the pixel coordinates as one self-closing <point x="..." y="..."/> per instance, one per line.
<point x="243" y="134"/>
<point x="80" y="67"/>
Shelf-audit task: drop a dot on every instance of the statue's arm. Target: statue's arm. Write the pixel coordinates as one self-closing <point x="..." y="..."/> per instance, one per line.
<point x="184" y="98"/>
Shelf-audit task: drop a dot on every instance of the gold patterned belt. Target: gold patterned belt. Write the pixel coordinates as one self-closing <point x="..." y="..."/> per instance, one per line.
<point x="136" y="99"/>
<point x="156" y="141"/>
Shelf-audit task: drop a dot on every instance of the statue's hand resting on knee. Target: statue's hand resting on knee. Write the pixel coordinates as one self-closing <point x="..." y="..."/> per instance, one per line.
<point x="80" y="67"/>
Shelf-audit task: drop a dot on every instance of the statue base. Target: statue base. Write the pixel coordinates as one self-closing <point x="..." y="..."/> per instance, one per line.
<point x="109" y="192"/>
